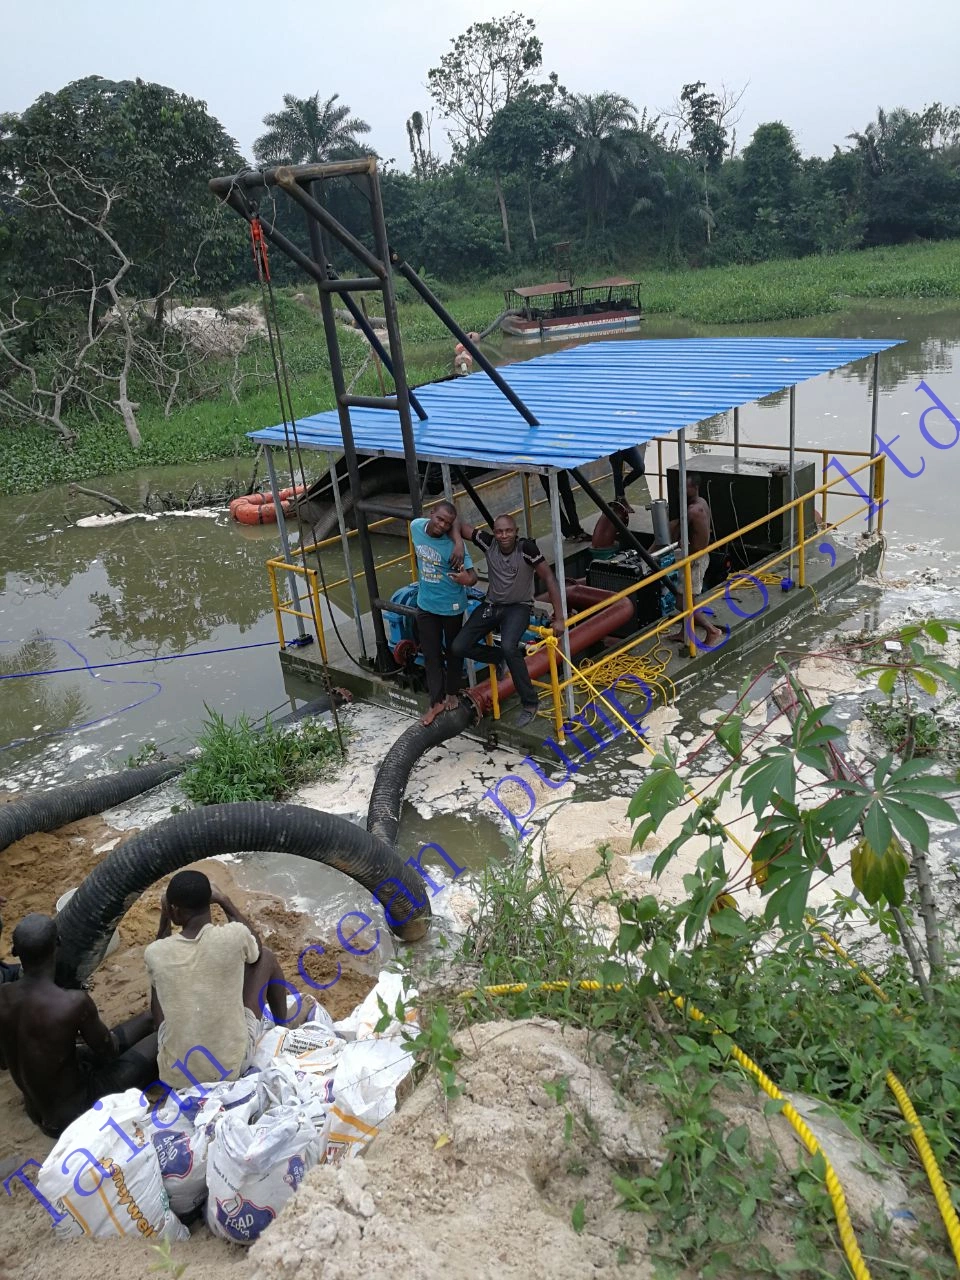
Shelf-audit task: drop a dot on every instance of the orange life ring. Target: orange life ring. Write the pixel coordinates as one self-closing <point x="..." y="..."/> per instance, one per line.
<point x="265" y="512"/>
<point x="259" y="508"/>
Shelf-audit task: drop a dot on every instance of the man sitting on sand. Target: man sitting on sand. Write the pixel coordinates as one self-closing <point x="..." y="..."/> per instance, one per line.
<point x="39" y="1027"/>
<point x="211" y="984"/>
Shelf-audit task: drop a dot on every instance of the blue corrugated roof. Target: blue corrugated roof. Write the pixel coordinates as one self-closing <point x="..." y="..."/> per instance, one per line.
<point x="590" y="400"/>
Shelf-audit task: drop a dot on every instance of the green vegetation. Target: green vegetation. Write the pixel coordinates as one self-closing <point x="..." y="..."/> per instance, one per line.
<point x="32" y="458"/>
<point x="769" y="984"/>
<point x="890" y="720"/>
<point x="94" y="378"/>
<point x="242" y="762"/>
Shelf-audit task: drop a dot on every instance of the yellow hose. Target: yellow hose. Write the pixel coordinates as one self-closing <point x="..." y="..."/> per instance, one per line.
<point x="793" y="1117"/>
<point x="938" y="1185"/>
<point x="937" y="1182"/>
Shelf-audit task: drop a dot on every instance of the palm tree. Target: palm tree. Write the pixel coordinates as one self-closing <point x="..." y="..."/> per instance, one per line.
<point x="308" y="131"/>
<point x="605" y="142"/>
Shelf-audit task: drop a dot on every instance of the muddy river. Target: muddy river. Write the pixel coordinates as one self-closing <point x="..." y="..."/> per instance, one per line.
<point x="185" y="599"/>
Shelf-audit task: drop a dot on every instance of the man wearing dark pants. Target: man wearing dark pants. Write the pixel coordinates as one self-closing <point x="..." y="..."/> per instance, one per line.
<point x="441" y="605"/>
<point x="512" y="563"/>
<point x="633" y="458"/>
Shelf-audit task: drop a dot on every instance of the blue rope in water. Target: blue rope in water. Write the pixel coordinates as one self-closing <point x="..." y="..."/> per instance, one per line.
<point x="128" y="662"/>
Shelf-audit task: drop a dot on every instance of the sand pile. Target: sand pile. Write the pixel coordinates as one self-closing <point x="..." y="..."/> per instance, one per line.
<point x="485" y="1185"/>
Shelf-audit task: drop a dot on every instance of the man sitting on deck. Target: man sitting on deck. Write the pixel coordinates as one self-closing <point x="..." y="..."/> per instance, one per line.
<point x="210" y="985"/>
<point x="699" y="524"/>
<point x="512" y="562"/>
<point x="40" y="1024"/>
<point x="441" y="605"/>
<point x="607" y="540"/>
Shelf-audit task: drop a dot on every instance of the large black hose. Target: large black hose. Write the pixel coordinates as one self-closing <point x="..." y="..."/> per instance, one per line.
<point x="78" y="800"/>
<point x="88" y="920"/>
<point x="383" y="815"/>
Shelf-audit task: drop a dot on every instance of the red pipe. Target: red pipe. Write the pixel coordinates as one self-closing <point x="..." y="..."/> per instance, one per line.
<point x="582" y="636"/>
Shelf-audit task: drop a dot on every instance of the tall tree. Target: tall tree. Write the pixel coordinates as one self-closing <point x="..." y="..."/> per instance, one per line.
<point x="703" y="114"/>
<point x="605" y="143"/>
<point x="308" y="131"/>
<point x="155" y="149"/>
<point x="770" y="172"/>
<point x="486" y="68"/>
<point x="527" y="137"/>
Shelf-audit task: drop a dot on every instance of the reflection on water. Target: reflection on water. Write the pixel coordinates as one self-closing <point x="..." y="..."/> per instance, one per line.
<point x="150" y="589"/>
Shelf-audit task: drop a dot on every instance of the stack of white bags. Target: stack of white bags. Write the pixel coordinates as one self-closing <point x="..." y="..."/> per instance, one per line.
<point x="314" y="1094"/>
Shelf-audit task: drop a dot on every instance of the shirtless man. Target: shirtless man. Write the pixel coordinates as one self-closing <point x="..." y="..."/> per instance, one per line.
<point x="39" y="1026"/>
<point x="606" y="536"/>
<point x="211" y="985"/>
<point x="698" y="530"/>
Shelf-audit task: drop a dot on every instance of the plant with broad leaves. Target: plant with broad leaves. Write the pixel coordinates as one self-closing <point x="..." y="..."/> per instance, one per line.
<point x="807" y="801"/>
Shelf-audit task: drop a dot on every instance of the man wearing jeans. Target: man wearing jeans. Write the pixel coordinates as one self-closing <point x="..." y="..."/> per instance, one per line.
<point x="512" y="563"/>
<point x="441" y="605"/>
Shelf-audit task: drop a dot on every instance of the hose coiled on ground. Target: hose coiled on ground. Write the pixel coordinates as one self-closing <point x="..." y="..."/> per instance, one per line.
<point x="88" y="920"/>
<point x="78" y="800"/>
<point x="386" y="799"/>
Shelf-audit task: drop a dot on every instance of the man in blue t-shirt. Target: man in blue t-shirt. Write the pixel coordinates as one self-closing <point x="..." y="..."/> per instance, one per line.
<point x="441" y="605"/>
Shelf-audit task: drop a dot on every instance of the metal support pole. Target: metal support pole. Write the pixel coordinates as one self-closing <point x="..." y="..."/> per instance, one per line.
<point x="284" y="539"/>
<point x="874" y="412"/>
<point x="472" y="494"/>
<point x="447" y="481"/>
<point x="396" y="345"/>
<point x="347" y="559"/>
<point x="736" y="433"/>
<point x="792" y="478"/>
<point x="437" y="306"/>
<point x="527" y="507"/>
<point x="295" y="254"/>
<point x="561" y="583"/>
<point x="688" y="601"/>
<point x="384" y="658"/>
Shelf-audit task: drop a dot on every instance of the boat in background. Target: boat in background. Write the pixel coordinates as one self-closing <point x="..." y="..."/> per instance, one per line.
<point x="547" y="312"/>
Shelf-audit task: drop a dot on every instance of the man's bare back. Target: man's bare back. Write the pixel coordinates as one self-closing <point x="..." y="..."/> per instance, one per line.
<point x="40" y="1025"/>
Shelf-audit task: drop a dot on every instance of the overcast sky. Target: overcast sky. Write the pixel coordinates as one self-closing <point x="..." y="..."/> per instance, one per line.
<point x="822" y="66"/>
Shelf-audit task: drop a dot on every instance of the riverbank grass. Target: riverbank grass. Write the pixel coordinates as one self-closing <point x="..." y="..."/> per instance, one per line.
<point x="32" y="458"/>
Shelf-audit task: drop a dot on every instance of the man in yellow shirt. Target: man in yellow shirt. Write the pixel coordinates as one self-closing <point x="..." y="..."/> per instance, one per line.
<point x="211" y="985"/>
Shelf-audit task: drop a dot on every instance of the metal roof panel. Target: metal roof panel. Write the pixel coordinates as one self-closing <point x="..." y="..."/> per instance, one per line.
<point x="591" y="399"/>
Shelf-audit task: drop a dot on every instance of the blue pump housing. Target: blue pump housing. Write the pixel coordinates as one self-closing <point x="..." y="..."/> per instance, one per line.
<point x="401" y="627"/>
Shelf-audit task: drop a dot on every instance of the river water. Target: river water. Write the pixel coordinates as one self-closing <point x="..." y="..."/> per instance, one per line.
<point x="76" y="597"/>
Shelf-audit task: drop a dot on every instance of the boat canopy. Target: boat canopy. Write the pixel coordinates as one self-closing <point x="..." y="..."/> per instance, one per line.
<point x="565" y="287"/>
<point x="590" y="400"/>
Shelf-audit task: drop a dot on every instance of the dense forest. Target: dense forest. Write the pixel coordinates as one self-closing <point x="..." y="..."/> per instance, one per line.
<point x="106" y="217"/>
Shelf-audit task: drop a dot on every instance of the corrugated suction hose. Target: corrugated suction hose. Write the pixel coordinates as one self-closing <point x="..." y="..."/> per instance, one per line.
<point x="78" y="800"/>
<point x="88" y="920"/>
<point x="383" y="814"/>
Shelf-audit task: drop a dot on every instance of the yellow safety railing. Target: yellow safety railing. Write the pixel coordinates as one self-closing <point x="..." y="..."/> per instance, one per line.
<point x="557" y="687"/>
<point x="288" y="607"/>
<point x="797" y="548"/>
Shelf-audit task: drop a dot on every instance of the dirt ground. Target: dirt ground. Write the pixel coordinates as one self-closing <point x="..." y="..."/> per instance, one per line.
<point x="33" y="874"/>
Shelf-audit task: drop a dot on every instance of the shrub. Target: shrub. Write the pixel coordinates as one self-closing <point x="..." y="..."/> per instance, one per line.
<point x="241" y="762"/>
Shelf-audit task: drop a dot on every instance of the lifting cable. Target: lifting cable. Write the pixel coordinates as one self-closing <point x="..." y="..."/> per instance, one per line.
<point x="262" y="264"/>
<point x="268" y="300"/>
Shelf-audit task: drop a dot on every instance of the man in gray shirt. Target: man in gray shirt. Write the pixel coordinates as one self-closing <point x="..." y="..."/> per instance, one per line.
<point x="512" y="564"/>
